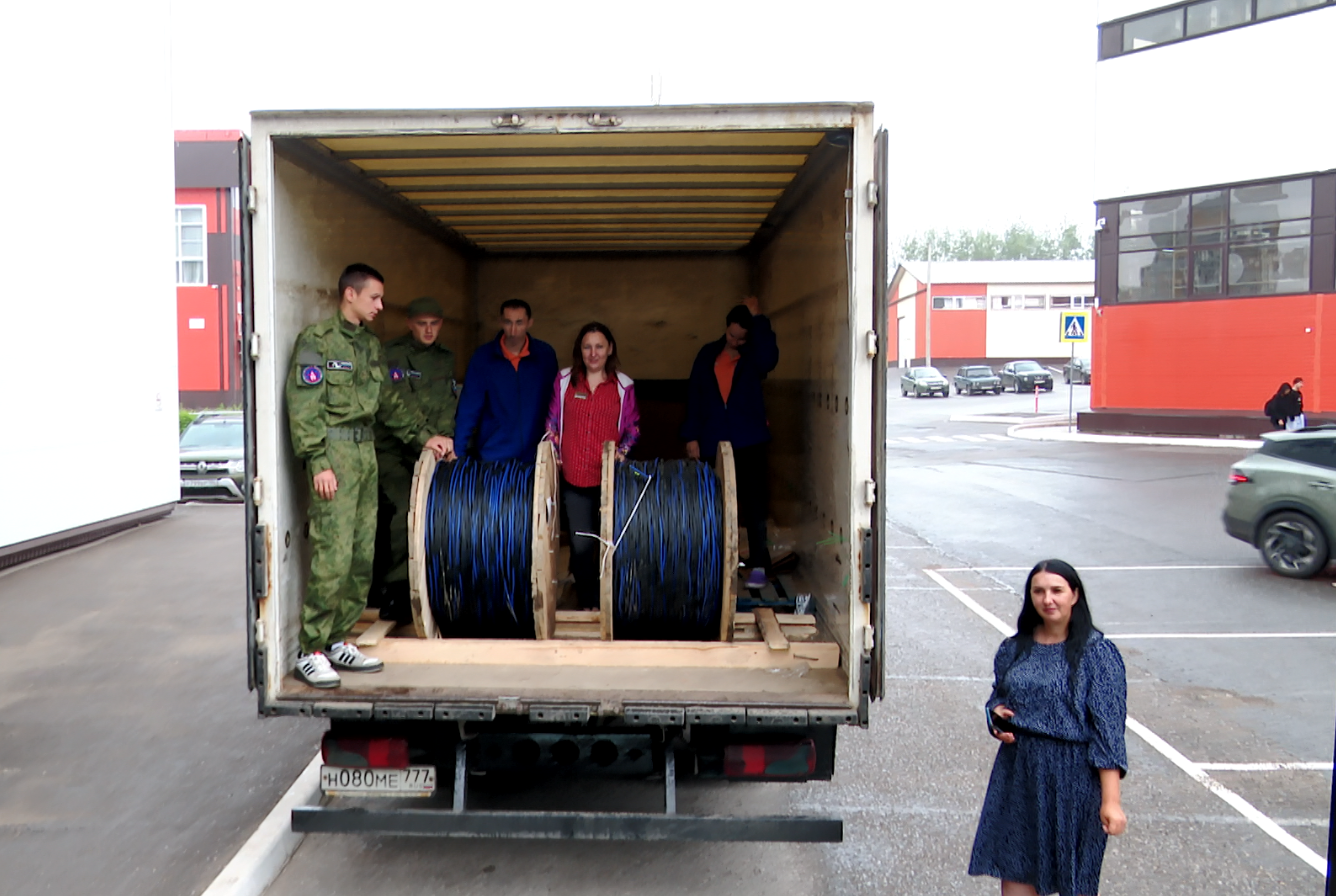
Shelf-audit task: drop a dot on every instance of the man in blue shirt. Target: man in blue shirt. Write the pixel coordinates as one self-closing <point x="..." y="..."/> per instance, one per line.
<point x="503" y="407"/>
<point x="725" y="404"/>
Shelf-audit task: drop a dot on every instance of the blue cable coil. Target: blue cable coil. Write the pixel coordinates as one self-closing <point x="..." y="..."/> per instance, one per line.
<point x="667" y="568"/>
<point x="479" y="546"/>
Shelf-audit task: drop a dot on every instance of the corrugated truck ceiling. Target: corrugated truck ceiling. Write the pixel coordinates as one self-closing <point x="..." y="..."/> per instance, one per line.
<point x="580" y="192"/>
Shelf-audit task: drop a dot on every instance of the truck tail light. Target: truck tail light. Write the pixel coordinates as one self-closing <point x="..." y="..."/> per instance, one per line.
<point x="359" y="752"/>
<point x="772" y="761"/>
<point x="1235" y="478"/>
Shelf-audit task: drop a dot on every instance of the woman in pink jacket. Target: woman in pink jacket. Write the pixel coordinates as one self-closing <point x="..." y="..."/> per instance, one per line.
<point x="592" y="403"/>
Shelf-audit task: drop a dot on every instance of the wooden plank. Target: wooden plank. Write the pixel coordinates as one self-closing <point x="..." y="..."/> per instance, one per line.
<point x="375" y="632"/>
<point x="729" y="487"/>
<point x="370" y="614"/>
<point x="749" y="632"/>
<point x="423" y="472"/>
<point x="542" y="573"/>
<point x="606" y="654"/>
<point x="578" y="616"/>
<point x="607" y="521"/>
<point x="770" y="631"/>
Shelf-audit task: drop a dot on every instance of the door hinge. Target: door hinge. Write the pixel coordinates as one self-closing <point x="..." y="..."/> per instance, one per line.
<point x="259" y="631"/>
<point x="260" y="561"/>
<point x="252" y="199"/>
<point x="511" y="120"/>
<point x="868" y="560"/>
<point x="257" y="491"/>
<point x="599" y="120"/>
<point x="872" y="343"/>
<point x="872" y="194"/>
<point x="869" y="492"/>
<point x="255" y="346"/>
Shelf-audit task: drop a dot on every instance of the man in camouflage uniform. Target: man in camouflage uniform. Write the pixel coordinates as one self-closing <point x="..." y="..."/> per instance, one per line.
<point x="336" y="389"/>
<point x="422" y="374"/>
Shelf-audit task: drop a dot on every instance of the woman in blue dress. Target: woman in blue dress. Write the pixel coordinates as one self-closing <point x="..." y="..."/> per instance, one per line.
<point x="1059" y="707"/>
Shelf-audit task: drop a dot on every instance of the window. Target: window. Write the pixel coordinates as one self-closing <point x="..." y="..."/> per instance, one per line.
<point x="1006" y="301"/>
<point x="1033" y="301"/>
<point x="190" y="245"/>
<point x="1188" y="20"/>
<point x="1071" y="302"/>
<point x="1246" y="240"/>
<point x="954" y="303"/>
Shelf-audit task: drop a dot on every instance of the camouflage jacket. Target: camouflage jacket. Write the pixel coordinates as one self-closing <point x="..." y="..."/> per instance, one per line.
<point x="423" y="377"/>
<point x="338" y="378"/>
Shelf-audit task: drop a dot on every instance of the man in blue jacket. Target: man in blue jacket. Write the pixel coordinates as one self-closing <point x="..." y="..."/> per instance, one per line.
<point x="503" y="407"/>
<point x="725" y="404"/>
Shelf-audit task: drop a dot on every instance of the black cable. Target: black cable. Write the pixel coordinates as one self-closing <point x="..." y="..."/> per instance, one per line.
<point x="479" y="545"/>
<point x="667" y="567"/>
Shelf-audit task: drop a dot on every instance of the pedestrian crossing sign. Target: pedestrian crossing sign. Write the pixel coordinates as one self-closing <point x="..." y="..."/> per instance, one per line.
<point x="1075" y="326"/>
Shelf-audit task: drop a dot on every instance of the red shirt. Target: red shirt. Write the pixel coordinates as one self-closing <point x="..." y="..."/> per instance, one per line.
<point x="589" y="420"/>
<point x="724" y="365"/>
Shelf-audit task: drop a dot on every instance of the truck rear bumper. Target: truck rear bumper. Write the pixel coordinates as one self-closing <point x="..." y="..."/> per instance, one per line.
<point x="566" y="825"/>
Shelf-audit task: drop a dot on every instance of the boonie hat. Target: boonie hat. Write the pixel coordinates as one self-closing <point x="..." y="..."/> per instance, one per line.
<point x="423" y="306"/>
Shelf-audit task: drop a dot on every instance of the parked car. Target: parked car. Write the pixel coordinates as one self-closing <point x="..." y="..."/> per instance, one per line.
<point x="924" y="381"/>
<point x="1026" y="376"/>
<point x="1282" y="500"/>
<point x="213" y="456"/>
<point x="970" y="380"/>
<point x="1077" y="371"/>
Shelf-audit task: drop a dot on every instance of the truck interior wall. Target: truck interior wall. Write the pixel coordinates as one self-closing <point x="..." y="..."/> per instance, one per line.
<point x="661" y="308"/>
<point x="319" y="229"/>
<point x="802" y="277"/>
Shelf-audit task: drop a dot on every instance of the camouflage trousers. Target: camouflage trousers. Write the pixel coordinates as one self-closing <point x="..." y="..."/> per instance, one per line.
<point x="343" y="546"/>
<point x="396" y="481"/>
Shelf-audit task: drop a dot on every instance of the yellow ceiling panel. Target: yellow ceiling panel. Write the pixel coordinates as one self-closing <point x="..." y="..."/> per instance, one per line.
<point x="518" y="142"/>
<point x="455" y="220"/>
<point x="496" y="208"/>
<point x="585" y="163"/>
<point x="673" y="194"/>
<point x="560" y="181"/>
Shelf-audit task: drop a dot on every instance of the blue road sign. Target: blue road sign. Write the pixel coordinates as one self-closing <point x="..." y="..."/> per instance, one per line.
<point x="1075" y="326"/>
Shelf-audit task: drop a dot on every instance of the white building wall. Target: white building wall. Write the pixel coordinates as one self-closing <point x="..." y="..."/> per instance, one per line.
<point x="88" y="350"/>
<point x="1159" y="128"/>
<point x="1014" y="333"/>
<point x="906" y="314"/>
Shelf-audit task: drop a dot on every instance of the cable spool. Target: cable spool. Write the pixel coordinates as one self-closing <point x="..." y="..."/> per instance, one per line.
<point x="669" y="560"/>
<point x="481" y="541"/>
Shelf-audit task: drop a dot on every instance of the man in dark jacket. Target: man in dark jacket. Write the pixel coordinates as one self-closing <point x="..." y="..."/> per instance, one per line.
<point x="725" y="404"/>
<point x="503" y="408"/>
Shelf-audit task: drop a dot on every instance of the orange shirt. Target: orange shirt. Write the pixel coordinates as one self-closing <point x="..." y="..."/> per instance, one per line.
<point x="515" y="359"/>
<point x="724" y="365"/>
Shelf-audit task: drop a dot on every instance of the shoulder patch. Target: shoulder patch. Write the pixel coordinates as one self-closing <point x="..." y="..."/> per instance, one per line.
<point x="338" y="365"/>
<point x="308" y="356"/>
<point x="312" y="375"/>
<point x="396" y="374"/>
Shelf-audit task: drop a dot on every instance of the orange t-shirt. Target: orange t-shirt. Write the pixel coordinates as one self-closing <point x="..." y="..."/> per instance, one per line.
<point x="515" y="359"/>
<point x="724" y="365"/>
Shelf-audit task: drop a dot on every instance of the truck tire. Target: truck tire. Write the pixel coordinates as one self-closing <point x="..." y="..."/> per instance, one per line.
<point x="1293" y="545"/>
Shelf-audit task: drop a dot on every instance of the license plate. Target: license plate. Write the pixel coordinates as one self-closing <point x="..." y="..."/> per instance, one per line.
<point x="416" y="780"/>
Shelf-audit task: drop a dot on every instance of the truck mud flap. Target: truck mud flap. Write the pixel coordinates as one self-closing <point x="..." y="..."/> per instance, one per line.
<point x="566" y="825"/>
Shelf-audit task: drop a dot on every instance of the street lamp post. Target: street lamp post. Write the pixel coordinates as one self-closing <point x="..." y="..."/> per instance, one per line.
<point x="927" y="319"/>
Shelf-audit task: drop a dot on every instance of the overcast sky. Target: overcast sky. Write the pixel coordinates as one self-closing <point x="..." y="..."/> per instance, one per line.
<point x="990" y="103"/>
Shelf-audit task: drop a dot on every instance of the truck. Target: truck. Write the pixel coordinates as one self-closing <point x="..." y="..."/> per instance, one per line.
<point x="654" y="220"/>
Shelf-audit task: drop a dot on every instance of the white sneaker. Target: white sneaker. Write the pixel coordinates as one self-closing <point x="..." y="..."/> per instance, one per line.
<point x="314" y="669"/>
<point x="345" y="655"/>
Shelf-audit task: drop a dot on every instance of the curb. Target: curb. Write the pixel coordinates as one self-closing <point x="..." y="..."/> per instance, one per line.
<point x="1046" y="431"/>
<point x="262" y="857"/>
<point x="1016" y="419"/>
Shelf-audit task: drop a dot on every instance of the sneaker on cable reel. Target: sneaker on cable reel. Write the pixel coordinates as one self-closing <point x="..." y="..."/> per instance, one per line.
<point x="345" y="655"/>
<point x="314" y="669"/>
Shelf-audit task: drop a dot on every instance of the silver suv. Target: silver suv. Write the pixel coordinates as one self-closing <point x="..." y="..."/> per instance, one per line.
<point x="1282" y="500"/>
<point x="213" y="456"/>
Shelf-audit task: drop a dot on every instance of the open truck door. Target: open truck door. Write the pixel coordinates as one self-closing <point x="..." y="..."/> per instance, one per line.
<point x="257" y="579"/>
<point x="874" y="578"/>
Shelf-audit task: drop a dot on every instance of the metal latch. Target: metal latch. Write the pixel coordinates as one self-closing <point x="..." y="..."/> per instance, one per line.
<point x="513" y="120"/>
<point x="869" y="492"/>
<point x="872" y="343"/>
<point x="257" y="491"/>
<point x="252" y="199"/>
<point x="255" y="346"/>
<point x="872" y="194"/>
<point x="597" y="120"/>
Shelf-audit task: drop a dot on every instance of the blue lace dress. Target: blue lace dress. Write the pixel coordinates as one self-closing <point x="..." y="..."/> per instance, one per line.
<point x="1040" y="821"/>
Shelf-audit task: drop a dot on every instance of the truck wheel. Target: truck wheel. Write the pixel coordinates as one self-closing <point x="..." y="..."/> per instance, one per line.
<point x="1293" y="545"/>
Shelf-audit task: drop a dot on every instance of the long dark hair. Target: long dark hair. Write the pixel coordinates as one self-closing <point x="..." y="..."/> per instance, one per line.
<point x="578" y="371"/>
<point x="1079" y="629"/>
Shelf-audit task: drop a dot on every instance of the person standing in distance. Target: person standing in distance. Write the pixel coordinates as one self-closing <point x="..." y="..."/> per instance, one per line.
<point x="725" y="404"/>
<point x="506" y="389"/>
<point x="422" y="374"/>
<point x="336" y="390"/>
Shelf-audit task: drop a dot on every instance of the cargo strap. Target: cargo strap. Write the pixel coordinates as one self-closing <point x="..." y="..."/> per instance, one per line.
<point x="350" y="434"/>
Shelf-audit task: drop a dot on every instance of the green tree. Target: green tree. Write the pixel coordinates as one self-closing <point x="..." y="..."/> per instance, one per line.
<point x="1019" y="241"/>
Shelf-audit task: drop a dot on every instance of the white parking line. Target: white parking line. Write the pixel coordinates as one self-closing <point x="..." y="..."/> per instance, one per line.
<point x="945" y="439"/>
<point x="966" y="438"/>
<point x="1161" y="746"/>
<point x="1265" y="766"/>
<point x="998" y="437"/>
<point x="913" y="440"/>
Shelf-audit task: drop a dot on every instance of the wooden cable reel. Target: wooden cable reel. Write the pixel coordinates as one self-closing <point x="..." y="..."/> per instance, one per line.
<point x="549" y="623"/>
